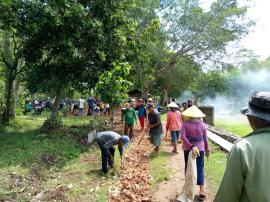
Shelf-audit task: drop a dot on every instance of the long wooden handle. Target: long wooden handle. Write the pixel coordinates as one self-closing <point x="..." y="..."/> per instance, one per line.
<point x="141" y="138"/>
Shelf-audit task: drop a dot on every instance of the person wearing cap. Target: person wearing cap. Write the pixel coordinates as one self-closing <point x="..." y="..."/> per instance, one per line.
<point x="193" y="134"/>
<point x="246" y="177"/>
<point x="141" y="112"/>
<point x="155" y="126"/>
<point x="174" y="124"/>
<point x="129" y="117"/>
<point x="106" y="140"/>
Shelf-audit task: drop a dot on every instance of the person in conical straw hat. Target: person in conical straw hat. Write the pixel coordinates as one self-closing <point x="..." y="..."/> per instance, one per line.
<point x="193" y="134"/>
<point x="193" y="112"/>
<point x="174" y="124"/>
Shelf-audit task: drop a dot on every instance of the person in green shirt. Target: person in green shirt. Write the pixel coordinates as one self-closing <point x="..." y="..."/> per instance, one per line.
<point x="247" y="177"/>
<point x="129" y="117"/>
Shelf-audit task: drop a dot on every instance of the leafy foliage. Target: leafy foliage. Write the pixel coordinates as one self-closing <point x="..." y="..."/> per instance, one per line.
<point x="209" y="84"/>
<point x="179" y="78"/>
<point x="112" y="86"/>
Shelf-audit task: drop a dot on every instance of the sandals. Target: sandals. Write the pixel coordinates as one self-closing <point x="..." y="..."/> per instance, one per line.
<point x="202" y="197"/>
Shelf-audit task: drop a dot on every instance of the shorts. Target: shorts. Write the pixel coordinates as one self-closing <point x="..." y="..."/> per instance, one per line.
<point x="175" y="136"/>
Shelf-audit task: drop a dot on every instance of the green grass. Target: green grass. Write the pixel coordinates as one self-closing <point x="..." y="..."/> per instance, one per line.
<point x="164" y="118"/>
<point x="215" y="166"/>
<point x="238" y="128"/>
<point x="158" y="167"/>
<point x="59" y="163"/>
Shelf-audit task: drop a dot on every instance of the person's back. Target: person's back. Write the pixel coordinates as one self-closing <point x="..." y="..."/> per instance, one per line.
<point x="108" y="137"/>
<point x="174" y="120"/>
<point x="251" y="164"/>
<point x="81" y="103"/>
<point x="247" y="178"/>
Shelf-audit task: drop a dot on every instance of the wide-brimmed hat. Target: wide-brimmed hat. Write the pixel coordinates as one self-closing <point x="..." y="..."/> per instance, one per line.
<point x="193" y="112"/>
<point x="173" y="105"/>
<point x="258" y="106"/>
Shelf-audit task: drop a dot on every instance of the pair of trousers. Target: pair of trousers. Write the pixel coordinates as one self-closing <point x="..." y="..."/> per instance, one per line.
<point x="141" y="119"/>
<point x="130" y="129"/>
<point x="105" y="157"/>
<point x="200" y="166"/>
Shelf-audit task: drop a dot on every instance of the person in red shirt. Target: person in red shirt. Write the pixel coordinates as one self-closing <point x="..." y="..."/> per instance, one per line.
<point x="174" y="124"/>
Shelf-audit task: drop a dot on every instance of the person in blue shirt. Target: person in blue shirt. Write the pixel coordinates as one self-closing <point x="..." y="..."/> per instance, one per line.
<point x="141" y="112"/>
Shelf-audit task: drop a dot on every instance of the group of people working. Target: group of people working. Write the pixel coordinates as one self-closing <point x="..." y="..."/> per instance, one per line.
<point x="193" y="132"/>
<point x="246" y="177"/>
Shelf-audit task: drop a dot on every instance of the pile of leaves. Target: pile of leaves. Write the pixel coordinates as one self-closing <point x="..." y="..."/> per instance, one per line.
<point x="134" y="174"/>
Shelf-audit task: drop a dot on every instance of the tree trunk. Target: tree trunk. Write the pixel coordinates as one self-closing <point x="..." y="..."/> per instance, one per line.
<point x="9" y="99"/>
<point x="56" y="104"/>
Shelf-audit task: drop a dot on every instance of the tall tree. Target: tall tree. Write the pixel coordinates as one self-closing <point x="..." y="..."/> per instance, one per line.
<point x="73" y="43"/>
<point x="195" y="32"/>
<point x="209" y="84"/>
<point x="11" y="58"/>
<point x="178" y="79"/>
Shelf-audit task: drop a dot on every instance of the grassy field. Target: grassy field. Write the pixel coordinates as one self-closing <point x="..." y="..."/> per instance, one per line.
<point x="56" y="166"/>
<point x="215" y="166"/>
<point x="234" y="124"/>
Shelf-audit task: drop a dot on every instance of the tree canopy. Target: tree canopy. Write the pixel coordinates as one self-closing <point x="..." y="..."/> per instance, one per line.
<point x="157" y="46"/>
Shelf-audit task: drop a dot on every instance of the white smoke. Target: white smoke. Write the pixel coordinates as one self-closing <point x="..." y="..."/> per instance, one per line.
<point x="240" y="89"/>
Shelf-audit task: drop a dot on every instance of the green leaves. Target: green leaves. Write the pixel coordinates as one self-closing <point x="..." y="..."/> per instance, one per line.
<point x="112" y="85"/>
<point x="209" y="84"/>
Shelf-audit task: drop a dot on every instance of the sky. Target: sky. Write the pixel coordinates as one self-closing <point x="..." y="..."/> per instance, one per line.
<point x="258" y="39"/>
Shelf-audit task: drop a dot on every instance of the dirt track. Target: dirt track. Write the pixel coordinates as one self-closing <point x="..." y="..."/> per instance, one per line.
<point x="135" y="178"/>
<point x="167" y="191"/>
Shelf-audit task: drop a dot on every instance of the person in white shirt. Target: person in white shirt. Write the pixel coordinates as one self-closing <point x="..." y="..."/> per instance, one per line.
<point x="81" y="105"/>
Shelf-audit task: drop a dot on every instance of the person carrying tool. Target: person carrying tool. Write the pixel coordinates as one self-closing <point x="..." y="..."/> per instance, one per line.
<point x="246" y="178"/>
<point x="154" y="126"/>
<point x="106" y="140"/>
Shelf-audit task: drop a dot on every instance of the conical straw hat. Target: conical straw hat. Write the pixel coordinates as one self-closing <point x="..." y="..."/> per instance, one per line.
<point x="194" y="112"/>
<point x="173" y="105"/>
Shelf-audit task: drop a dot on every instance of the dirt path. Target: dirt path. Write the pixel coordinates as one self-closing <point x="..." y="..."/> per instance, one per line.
<point x="134" y="174"/>
<point x="167" y="191"/>
<point x="135" y="178"/>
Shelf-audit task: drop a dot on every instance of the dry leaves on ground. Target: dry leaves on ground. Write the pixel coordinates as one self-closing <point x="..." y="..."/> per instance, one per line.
<point x="134" y="174"/>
